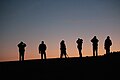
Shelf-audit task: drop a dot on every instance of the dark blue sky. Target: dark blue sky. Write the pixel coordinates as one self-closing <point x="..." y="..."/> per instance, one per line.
<point x="53" y="20"/>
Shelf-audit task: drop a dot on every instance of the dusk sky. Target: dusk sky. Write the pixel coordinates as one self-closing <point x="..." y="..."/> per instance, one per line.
<point x="32" y="21"/>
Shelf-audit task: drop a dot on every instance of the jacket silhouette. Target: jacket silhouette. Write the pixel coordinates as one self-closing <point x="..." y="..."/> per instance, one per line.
<point x="95" y="45"/>
<point x="107" y="44"/>
<point x="63" y="49"/>
<point x="21" y="47"/>
<point x="42" y="49"/>
<point x="79" y="46"/>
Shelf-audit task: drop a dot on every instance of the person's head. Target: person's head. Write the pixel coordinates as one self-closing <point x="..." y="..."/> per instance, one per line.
<point x="78" y="38"/>
<point x="95" y="37"/>
<point x="42" y="42"/>
<point x="62" y="41"/>
<point x="21" y="42"/>
<point x="108" y="37"/>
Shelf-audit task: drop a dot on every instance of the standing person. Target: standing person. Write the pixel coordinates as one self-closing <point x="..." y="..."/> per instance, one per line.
<point x="42" y="49"/>
<point x="63" y="49"/>
<point x="107" y="44"/>
<point x="95" y="45"/>
<point x="79" y="46"/>
<point x="21" y="47"/>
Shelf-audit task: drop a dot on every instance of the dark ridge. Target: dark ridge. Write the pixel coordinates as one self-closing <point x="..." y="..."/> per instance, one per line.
<point x="94" y="68"/>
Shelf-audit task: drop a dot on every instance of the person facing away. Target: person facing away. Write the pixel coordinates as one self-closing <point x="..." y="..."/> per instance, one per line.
<point x="42" y="49"/>
<point x="21" y="47"/>
<point x="95" y="45"/>
<point x="79" y="46"/>
<point x="107" y="44"/>
<point x="63" y="49"/>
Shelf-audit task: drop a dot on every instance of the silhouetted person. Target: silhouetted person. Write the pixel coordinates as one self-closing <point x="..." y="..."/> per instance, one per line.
<point x="107" y="44"/>
<point x="21" y="46"/>
<point x="42" y="49"/>
<point x="79" y="46"/>
<point x="63" y="49"/>
<point x="95" y="45"/>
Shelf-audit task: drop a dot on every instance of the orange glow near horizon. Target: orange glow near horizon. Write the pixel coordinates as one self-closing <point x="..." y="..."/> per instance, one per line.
<point x="53" y="50"/>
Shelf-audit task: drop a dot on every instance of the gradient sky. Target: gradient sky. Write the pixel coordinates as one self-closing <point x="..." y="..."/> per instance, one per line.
<point x="32" y="21"/>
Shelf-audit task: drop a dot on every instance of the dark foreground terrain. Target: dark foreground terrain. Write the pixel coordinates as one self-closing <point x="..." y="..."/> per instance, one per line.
<point x="88" y="68"/>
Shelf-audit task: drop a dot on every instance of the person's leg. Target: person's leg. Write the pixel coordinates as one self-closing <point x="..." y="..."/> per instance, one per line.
<point x="61" y="54"/>
<point x="93" y="52"/>
<point x="45" y="55"/>
<point x="65" y="54"/>
<point x="19" y="56"/>
<point x="41" y="55"/>
<point x="23" y="57"/>
<point x="108" y="50"/>
<point x="96" y="52"/>
<point x="80" y="52"/>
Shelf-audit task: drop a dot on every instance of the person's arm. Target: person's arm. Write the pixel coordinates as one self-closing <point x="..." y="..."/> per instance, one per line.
<point x="39" y="51"/>
<point x="18" y="45"/>
<point x="111" y="42"/>
<point x="82" y="40"/>
<point x="25" y="45"/>
<point x="77" y="41"/>
<point x="39" y="48"/>
<point x="97" y="40"/>
<point x="91" y="40"/>
<point x="45" y="47"/>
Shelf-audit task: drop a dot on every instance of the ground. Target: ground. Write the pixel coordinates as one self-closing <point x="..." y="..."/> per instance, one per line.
<point x="74" y="68"/>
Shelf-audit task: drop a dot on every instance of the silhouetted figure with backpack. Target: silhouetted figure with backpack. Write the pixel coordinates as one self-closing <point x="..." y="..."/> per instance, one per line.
<point x="79" y="46"/>
<point x="95" y="45"/>
<point x="63" y="49"/>
<point x="107" y="45"/>
<point x="21" y="47"/>
<point x="42" y="49"/>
